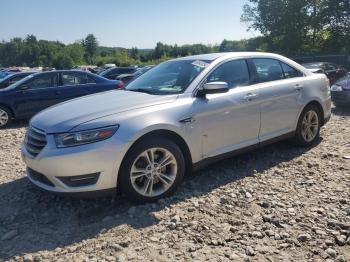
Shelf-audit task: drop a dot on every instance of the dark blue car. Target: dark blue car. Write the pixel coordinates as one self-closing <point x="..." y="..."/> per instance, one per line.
<point x="38" y="91"/>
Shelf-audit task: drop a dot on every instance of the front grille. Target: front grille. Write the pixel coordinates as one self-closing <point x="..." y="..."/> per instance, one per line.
<point x="35" y="140"/>
<point x="39" y="177"/>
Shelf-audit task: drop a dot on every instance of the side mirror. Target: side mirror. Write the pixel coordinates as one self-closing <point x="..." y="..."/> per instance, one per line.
<point x="213" y="88"/>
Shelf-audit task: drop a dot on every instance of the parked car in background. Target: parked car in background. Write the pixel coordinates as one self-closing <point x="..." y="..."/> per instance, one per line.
<point x="127" y="78"/>
<point x="340" y="92"/>
<point x="38" y="91"/>
<point x="114" y="72"/>
<point x="13" y="78"/>
<point x="332" y="71"/>
<point x="182" y="114"/>
<point x="4" y="74"/>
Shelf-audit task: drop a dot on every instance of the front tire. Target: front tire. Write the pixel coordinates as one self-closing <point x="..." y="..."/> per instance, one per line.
<point x="5" y="117"/>
<point x="151" y="170"/>
<point x="309" y="125"/>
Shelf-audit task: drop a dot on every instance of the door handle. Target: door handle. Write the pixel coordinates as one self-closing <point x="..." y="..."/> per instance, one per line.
<point x="58" y="92"/>
<point x="250" y="96"/>
<point x="298" y="87"/>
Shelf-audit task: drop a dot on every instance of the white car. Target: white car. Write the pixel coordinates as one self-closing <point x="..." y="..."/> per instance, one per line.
<point x="180" y="115"/>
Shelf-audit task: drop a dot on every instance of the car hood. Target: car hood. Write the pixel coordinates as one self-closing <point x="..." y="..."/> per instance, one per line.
<point x="344" y="82"/>
<point x="314" y="70"/>
<point x="65" y="116"/>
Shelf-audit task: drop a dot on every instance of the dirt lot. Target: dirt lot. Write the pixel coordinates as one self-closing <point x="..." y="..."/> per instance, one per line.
<point x="277" y="203"/>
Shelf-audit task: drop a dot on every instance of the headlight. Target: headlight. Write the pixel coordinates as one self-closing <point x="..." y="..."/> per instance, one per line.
<point x="84" y="137"/>
<point x="336" y="88"/>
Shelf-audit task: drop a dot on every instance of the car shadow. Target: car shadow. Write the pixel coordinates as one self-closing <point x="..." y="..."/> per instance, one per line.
<point x="341" y="111"/>
<point x="33" y="220"/>
<point x="18" y="124"/>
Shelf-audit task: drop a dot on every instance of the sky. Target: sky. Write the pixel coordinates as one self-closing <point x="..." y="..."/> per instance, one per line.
<point x="128" y="23"/>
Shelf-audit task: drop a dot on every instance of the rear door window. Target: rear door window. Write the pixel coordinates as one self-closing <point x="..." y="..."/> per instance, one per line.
<point x="268" y="69"/>
<point x="234" y="73"/>
<point x="69" y="79"/>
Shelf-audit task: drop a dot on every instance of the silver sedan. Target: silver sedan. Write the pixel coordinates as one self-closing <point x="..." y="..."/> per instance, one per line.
<point x="178" y="117"/>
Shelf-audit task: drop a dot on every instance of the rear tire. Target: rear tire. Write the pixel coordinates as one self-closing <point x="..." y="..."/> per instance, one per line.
<point x="151" y="170"/>
<point x="309" y="125"/>
<point x="6" y="117"/>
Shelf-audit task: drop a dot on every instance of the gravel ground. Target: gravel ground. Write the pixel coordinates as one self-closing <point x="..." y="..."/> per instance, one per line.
<point x="276" y="203"/>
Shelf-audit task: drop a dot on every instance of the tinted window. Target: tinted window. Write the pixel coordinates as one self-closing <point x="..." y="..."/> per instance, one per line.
<point x="289" y="72"/>
<point x="73" y="79"/>
<point x="234" y="73"/>
<point x="42" y="81"/>
<point x="268" y="69"/>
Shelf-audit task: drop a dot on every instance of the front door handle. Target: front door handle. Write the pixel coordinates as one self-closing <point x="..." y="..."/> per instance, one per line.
<point x="250" y="96"/>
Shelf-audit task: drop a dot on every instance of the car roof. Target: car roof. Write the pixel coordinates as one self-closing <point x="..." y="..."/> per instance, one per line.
<point x="25" y="72"/>
<point x="214" y="56"/>
<point x="70" y="71"/>
<point x="62" y="71"/>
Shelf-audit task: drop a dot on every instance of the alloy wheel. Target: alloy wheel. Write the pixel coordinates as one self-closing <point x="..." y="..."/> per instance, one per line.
<point x="310" y="126"/>
<point x="153" y="172"/>
<point x="4" y="117"/>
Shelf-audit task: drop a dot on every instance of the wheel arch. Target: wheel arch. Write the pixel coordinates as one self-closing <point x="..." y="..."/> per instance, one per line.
<point x="8" y="108"/>
<point x="164" y="133"/>
<point x="320" y="108"/>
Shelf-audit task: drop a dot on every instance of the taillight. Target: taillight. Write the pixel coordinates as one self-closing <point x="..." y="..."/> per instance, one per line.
<point x="120" y="85"/>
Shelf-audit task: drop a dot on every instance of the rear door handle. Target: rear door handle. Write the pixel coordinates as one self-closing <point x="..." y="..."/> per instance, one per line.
<point x="298" y="87"/>
<point x="250" y="96"/>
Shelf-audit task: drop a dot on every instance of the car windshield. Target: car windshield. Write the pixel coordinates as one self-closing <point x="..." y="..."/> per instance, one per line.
<point x="18" y="83"/>
<point x="172" y="77"/>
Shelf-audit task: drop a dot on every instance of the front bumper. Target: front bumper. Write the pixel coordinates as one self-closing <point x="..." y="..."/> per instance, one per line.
<point x="341" y="98"/>
<point x="53" y="167"/>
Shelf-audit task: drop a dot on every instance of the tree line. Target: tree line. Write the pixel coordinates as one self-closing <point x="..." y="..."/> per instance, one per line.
<point x="289" y="27"/>
<point x="295" y="27"/>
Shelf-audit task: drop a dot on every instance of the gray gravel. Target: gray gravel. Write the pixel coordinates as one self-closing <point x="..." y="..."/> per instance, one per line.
<point x="277" y="203"/>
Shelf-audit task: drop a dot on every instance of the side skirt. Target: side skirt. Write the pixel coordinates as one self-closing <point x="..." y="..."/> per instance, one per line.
<point x="207" y="161"/>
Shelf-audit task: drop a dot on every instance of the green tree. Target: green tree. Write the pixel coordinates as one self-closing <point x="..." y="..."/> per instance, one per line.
<point x="91" y="48"/>
<point x="134" y="53"/>
<point x="336" y="21"/>
<point x="63" y="61"/>
<point x="75" y="52"/>
<point x="299" y="26"/>
<point x="283" y="21"/>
